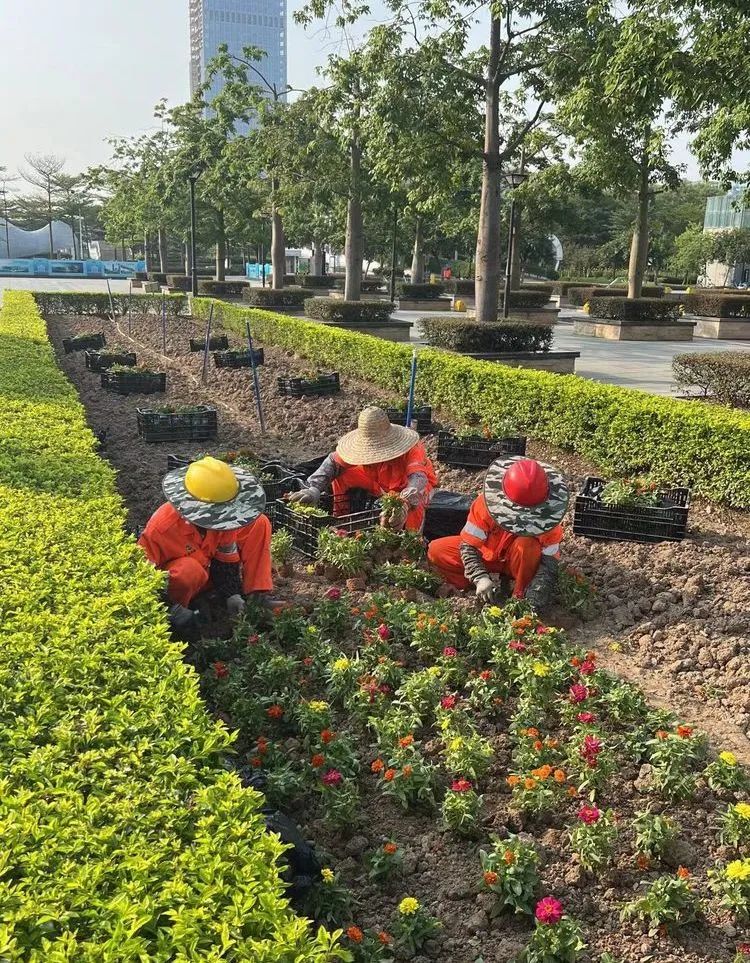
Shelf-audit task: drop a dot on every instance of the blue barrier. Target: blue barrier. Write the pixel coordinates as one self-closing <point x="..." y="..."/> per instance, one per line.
<point x="255" y="271"/>
<point x="42" y="267"/>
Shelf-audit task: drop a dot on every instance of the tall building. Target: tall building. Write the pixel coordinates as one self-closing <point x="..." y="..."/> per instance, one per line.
<point x="239" y="24"/>
<point x="726" y="212"/>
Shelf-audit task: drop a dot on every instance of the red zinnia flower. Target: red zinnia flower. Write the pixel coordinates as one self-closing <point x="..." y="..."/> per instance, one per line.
<point x="253" y="639"/>
<point x="308" y="661"/>
<point x="355" y="934"/>
<point x="334" y="594"/>
<point x="744" y="948"/>
<point x="385" y="938"/>
<point x="486" y="675"/>
<point x="461" y="785"/>
<point x="390" y="848"/>
<point x="449" y="652"/>
<point x="256" y="762"/>
<point x="448" y="702"/>
<point x="384" y="632"/>
<point x="317" y="760"/>
<point x="589" y="815"/>
<point x="517" y="646"/>
<point x="587" y="668"/>
<point x="490" y="877"/>
<point x="274" y="712"/>
<point x="327" y="736"/>
<point x="221" y="669"/>
<point x="586" y="717"/>
<point x="578" y="692"/>
<point x="389" y="775"/>
<point x="332" y="778"/>
<point x="549" y="911"/>
<point x="377" y="765"/>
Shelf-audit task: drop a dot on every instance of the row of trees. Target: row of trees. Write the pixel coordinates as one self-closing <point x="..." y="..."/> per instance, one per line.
<point x="414" y="126"/>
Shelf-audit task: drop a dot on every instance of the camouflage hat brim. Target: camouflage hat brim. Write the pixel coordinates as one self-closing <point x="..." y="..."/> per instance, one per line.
<point x="519" y="519"/>
<point x="244" y="508"/>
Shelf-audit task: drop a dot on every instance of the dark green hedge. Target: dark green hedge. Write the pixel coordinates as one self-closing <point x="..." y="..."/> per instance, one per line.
<point x="222" y="289"/>
<point x="646" y="310"/>
<point x="580" y="295"/>
<point x="462" y="287"/>
<point x="270" y="297"/>
<point x="315" y="280"/>
<point x="458" y="334"/>
<point x="418" y="292"/>
<point x="723" y="375"/>
<point x="61" y="302"/>
<point x="373" y="284"/>
<point x="621" y="431"/>
<point x="711" y="304"/>
<point x="528" y="300"/>
<point x="179" y="282"/>
<point x="159" y="276"/>
<point x="335" y="309"/>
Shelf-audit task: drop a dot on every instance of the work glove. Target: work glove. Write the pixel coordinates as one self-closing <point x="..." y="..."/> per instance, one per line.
<point x="181" y="618"/>
<point x="485" y="590"/>
<point x="396" y="520"/>
<point x="412" y="496"/>
<point x="235" y="606"/>
<point x="306" y="496"/>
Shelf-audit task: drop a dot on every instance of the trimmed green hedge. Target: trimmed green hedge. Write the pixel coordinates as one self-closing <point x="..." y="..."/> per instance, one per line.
<point x="62" y="302"/>
<point x="418" y="292"/>
<point x="159" y="276"/>
<point x="645" y="310"/>
<point x="318" y="280"/>
<point x="124" y="838"/>
<point x="621" y="431"/>
<point x="271" y="297"/>
<point x="335" y="309"/>
<point x="580" y="295"/>
<point x="718" y="304"/>
<point x="462" y="287"/>
<point x="222" y="289"/>
<point x="528" y="300"/>
<point x="456" y="333"/>
<point x="723" y="375"/>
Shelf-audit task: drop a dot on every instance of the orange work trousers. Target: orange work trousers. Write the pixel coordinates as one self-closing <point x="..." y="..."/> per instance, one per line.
<point x="521" y="562"/>
<point x="187" y="577"/>
<point x="354" y="477"/>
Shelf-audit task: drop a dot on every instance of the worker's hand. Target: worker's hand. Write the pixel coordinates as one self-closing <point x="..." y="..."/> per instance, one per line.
<point x="396" y="519"/>
<point x="485" y="590"/>
<point x="235" y="606"/>
<point x="306" y="496"/>
<point x="181" y="618"/>
<point x="412" y="496"/>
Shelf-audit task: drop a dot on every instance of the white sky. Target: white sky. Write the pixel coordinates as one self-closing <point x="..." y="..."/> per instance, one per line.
<point x="74" y="72"/>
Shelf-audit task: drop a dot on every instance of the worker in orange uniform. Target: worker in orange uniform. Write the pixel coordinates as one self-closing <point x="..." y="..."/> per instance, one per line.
<point x="513" y="529"/>
<point x="379" y="458"/>
<point x="210" y="530"/>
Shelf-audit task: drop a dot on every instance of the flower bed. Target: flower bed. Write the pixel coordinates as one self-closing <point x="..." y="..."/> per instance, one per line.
<point x="618" y="429"/>
<point x="107" y="739"/>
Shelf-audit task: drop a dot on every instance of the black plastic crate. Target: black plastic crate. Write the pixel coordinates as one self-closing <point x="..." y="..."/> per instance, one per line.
<point x="667" y="523"/>
<point x="421" y="418"/>
<point x="239" y="359"/>
<point x="324" y="384"/>
<point x="446" y="514"/>
<point x="474" y="451"/>
<point x="305" y="468"/>
<point x="363" y="513"/>
<point x="218" y="342"/>
<point x="101" y="360"/>
<point x="83" y="342"/>
<point x="134" y="382"/>
<point x="198" y="425"/>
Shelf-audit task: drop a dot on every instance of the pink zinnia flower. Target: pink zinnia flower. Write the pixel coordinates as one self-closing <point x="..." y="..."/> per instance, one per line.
<point x="586" y="717"/>
<point x="448" y="702"/>
<point x="542" y="629"/>
<point x="221" y="670"/>
<point x="332" y="778"/>
<point x="587" y="668"/>
<point x="589" y="814"/>
<point x="461" y="785"/>
<point x="549" y="911"/>
<point x="517" y="646"/>
<point x="578" y="692"/>
<point x="384" y="632"/>
<point x="334" y="594"/>
<point x="449" y="652"/>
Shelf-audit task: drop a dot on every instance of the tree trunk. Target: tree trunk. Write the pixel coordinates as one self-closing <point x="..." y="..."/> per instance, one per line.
<point x="49" y="215"/>
<point x="354" y="248"/>
<point x="278" y="244"/>
<point x="163" y="250"/>
<point x="639" y="244"/>
<point x="75" y="245"/>
<point x="221" y="247"/>
<point x="515" y="267"/>
<point x="417" y="256"/>
<point x="488" y="236"/>
<point x="318" y="261"/>
<point x="146" y="257"/>
<point x="188" y="259"/>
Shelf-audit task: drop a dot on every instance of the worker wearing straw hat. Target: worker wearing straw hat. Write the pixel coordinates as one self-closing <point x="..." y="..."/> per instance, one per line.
<point x="513" y="529"/>
<point x="379" y="458"/>
<point x="210" y="531"/>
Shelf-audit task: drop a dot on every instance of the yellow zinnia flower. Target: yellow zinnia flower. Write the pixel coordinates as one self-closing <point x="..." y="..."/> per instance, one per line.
<point x="743" y="810"/>
<point x="317" y="705"/>
<point x="541" y="669"/>
<point x="408" y="906"/>
<point x="327" y="874"/>
<point x="434" y="670"/>
<point x="495" y="611"/>
<point x="728" y="757"/>
<point x="342" y="664"/>
<point x="738" y="869"/>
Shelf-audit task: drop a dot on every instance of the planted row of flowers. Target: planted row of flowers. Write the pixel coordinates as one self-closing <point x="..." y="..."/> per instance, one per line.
<point x="405" y="699"/>
<point x="123" y="836"/>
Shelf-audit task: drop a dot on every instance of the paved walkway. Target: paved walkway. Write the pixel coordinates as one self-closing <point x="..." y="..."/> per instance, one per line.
<point x="646" y="365"/>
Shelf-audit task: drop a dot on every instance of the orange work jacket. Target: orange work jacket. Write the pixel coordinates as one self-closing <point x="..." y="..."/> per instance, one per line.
<point x="483" y="532"/>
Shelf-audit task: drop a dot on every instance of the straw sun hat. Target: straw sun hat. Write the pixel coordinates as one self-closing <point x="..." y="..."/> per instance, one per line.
<point x="375" y="439"/>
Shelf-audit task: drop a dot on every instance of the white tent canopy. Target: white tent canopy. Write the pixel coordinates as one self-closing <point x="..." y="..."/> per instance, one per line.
<point x="35" y="243"/>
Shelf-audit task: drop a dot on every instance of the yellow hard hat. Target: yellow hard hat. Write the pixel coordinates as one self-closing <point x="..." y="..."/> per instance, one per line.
<point x="459" y="305"/>
<point x="211" y="480"/>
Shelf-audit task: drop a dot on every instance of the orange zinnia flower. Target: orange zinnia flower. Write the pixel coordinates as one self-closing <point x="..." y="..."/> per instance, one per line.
<point x="377" y="766"/>
<point x="355" y="934"/>
<point x="390" y="848"/>
<point x="591" y="656"/>
<point x="327" y="736"/>
<point x="538" y="745"/>
<point x="661" y="734"/>
<point x="513" y="781"/>
<point x="389" y="775"/>
<point x="551" y="743"/>
<point x="385" y="938"/>
<point x="490" y="878"/>
<point x="406" y="741"/>
<point x="317" y="760"/>
<point x="543" y="772"/>
<point x="684" y="732"/>
<point x="575" y="661"/>
<point x="559" y="775"/>
<point x="532" y="733"/>
<point x="683" y="872"/>
<point x="407" y="771"/>
<point x="572" y="791"/>
<point x="274" y="712"/>
<point x="509" y="857"/>
<point x="529" y="783"/>
<point x="642" y="861"/>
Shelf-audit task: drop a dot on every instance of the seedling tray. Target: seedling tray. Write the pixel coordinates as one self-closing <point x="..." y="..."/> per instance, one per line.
<point x="219" y="342"/>
<point x="667" y="523"/>
<point x="239" y="359"/>
<point x="324" y="384"/>
<point x="197" y="425"/>
<point x="83" y="342"/>
<point x="134" y="382"/>
<point x="421" y="418"/>
<point x="101" y="360"/>
<point x="474" y="451"/>
<point x="306" y="528"/>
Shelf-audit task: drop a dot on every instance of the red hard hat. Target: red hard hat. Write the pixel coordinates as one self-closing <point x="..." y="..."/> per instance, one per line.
<point x="526" y="483"/>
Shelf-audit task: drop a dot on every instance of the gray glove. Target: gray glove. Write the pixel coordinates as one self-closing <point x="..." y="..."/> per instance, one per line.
<point x="306" y="496"/>
<point x="485" y="590"/>
<point x="396" y="521"/>
<point x="181" y="618"/>
<point x="235" y="605"/>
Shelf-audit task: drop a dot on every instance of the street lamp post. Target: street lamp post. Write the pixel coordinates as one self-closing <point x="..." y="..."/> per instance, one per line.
<point x="513" y="179"/>
<point x="393" y="254"/>
<point x="192" y="178"/>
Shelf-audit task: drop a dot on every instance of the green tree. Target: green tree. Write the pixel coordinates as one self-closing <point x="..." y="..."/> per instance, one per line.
<point x="693" y="248"/>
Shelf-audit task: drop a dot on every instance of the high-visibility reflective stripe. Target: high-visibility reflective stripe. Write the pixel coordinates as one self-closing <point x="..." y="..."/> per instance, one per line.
<point x="230" y="549"/>
<point x="551" y="549"/>
<point x="475" y="531"/>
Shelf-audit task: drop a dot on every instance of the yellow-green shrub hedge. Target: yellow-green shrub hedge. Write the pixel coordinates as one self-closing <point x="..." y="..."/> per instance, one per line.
<point x="622" y="431"/>
<point x="123" y="838"/>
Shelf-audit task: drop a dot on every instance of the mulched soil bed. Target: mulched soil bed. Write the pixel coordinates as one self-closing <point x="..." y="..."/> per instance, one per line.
<point x="674" y="617"/>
